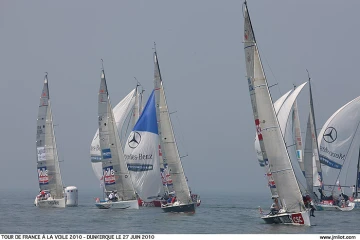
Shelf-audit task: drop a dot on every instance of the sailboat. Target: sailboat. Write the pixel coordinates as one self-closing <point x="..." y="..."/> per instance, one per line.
<point x="291" y="206"/>
<point x="170" y="153"/>
<point x="116" y="177"/>
<point x="48" y="169"/>
<point x="338" y="149"/>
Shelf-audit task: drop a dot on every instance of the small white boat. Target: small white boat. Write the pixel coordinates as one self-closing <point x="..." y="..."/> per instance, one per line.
<point x="301" y="218"/>
<point x="116" y="176"/>
<point x="130" y="204"/>
<point x="52" y="193"/>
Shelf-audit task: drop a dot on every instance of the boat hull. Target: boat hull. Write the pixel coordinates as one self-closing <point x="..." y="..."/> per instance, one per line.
<point x="330" y="207"/>
<point x="50" y="203"/>
<point x="131" y="204"/>
<point x="181" y="208"/>
<point x="158" y="203"/>
<point x="299" y="219"/>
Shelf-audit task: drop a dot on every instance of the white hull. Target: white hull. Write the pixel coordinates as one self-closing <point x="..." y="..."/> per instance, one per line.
<point x="50" y="203"/>
<point x="298" y="219"/>
<point x="328" y="207"/>
<point x="132" y="204"/>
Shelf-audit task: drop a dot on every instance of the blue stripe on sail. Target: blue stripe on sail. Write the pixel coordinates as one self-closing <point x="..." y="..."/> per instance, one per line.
<point x="147" y="120"/>
<point x="328" y="162"/>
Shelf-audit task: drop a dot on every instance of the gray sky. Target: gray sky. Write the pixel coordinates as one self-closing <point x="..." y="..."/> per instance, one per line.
<point x="201" y="58"/>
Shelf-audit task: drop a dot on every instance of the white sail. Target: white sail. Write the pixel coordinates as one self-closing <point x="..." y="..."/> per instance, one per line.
<point x="261" y="155"/>
<point x="267" y="125"/>
<point x="142" y="154"/>
<point x="338" y="145"/>
<point x="308" y="157"/>
<point x="297" y="137"/>
<point x="121" y="111"/>
<point x="169" y="148"/>
<point x="259" y="152"/>
<point x="115" y="172"/>
<point x="47" y="157"/>
<point x="285" y="111"/>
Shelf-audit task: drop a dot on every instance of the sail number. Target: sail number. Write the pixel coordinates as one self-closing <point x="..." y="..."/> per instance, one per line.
<point x="297" y="218"/>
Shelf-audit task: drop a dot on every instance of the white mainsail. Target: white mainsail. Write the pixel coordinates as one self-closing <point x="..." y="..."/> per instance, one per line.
<point x="338" y="146"/>
<point x="115" y="172"/>
<point x="261" y="154"/>
<point x="267" y="125"/>
<point x="170" y="153"/>
<point x="47" y="157"/>
<point x="121" y="111"/>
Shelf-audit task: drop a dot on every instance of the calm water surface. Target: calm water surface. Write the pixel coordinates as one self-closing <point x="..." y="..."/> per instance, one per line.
<point x="217" y="214"/>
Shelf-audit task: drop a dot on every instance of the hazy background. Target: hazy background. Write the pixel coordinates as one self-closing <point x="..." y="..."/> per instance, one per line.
<point x="201" y="58"/>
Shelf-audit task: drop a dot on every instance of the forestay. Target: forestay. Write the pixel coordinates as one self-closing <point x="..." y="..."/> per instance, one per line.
<point x="47" y="157"/>
<point x="142" y="154"/>
<point x="267" y="125"/>
<point x="115" y="171"/>
<point x="169" y="148"/>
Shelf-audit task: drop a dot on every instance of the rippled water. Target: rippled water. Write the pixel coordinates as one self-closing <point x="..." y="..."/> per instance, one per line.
<point x="217" y="214"/>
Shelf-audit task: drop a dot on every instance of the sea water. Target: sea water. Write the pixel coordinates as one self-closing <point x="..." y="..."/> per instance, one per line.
<point x="218" y="214"/>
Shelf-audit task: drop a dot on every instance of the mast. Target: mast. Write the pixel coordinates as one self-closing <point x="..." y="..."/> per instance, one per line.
<point x="357" y="176"/>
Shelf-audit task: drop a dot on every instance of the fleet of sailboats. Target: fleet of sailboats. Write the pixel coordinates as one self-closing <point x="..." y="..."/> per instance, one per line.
<point x="135" y="157"/>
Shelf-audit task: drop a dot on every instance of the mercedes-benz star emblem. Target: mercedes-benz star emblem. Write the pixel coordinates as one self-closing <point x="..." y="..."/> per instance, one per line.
<point x="134" y="139"/>
<point x="330" y="135"/>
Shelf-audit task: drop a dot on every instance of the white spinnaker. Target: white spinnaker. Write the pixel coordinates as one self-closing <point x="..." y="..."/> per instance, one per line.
<point x="267" y="125"/>
<point x="169" y="148"/>
<point x="338" y="146"/>
<point x="142" y="154"/>
<point x="115" y="172"/>
<point x="121" y="111"/>
<point x="48" y="168"/>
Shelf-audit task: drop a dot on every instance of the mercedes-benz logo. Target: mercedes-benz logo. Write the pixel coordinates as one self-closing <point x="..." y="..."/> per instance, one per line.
<point x="134" y="139"/>
<point x="330" y="135"/>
